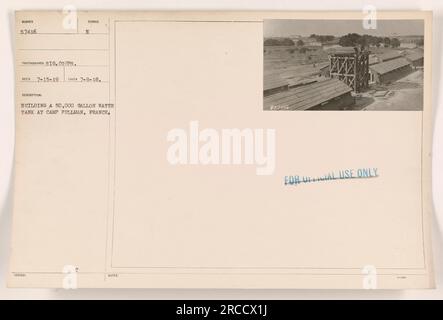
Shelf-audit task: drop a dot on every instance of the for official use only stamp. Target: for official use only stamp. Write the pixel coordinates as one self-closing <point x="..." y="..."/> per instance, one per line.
<point x="344" y="174"/>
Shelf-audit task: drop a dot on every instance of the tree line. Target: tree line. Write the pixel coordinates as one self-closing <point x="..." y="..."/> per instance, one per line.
<point x="349" y="40"/>
<point x="355" y="39"/>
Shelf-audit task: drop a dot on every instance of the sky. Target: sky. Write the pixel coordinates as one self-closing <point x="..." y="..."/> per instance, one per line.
<point x="284" y="28"/>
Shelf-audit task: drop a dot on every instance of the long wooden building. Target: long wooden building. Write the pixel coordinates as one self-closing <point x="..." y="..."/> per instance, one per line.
<point x="389" y="71"/>
<point x="329" y="94"/>
<point x="416" y="59"/>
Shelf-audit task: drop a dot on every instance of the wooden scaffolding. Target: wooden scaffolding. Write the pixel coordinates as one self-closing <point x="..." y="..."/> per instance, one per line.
<point x="350" y="66"/>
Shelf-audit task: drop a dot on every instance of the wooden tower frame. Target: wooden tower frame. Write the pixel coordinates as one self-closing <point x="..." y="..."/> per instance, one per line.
<point x="350" y="67"/>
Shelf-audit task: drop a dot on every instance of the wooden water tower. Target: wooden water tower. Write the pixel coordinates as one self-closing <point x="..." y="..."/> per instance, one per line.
<point x="350" y="65"/>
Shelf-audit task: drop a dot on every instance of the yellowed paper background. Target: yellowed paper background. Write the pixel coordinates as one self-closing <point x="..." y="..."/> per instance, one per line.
<point x="96" y="192"/>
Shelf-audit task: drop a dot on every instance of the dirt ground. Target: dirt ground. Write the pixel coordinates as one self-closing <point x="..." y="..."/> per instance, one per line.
<point x="404" y="94"/>
<point x="288" y="63"/>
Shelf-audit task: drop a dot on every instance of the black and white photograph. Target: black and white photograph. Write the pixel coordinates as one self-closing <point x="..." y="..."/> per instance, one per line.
<point x="343" y="65"/>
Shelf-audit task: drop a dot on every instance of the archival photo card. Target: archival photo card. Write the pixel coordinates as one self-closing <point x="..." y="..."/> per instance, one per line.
<point x="343" y="65"/>
<point x="152" y="163"/>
